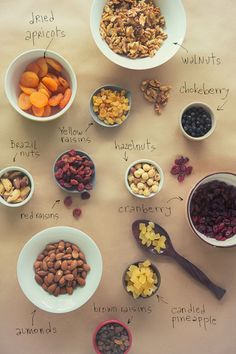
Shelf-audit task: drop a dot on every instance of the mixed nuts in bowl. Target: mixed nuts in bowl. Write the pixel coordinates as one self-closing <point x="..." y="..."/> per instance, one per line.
<point x="16" y="186"/>
<point x="138" y="34"/>
<point x="74" y="171"/>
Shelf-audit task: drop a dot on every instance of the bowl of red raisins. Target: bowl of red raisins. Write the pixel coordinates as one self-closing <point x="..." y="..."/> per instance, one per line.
<point x="74" y="171"/>
<point x="197" y="121"/>
<point x="211" y="209"/>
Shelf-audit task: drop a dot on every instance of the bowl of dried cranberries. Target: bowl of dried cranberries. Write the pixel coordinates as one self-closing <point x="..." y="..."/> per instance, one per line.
<point x="74" y="171"/>
<point x="211" y="209"/>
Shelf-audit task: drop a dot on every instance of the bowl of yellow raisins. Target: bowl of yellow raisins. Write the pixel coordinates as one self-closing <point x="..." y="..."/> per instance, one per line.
<point x="110" y="105"/>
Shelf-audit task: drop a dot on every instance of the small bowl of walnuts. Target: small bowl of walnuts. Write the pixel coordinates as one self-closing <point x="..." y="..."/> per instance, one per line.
<point x="110" y="105"/>
<point x="144" y="178"/>
<point x="16" y="186"/>
<point x="74" y="171"/>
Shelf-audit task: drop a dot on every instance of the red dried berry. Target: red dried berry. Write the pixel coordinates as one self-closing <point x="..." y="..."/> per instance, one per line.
<point x="68" y="201"/>
<point x="74" y="182"/>
<point x="72" y="152"/>
<point x="77" y="212"/>
<point x="80" y="187"/>
<point x="88" y="186"/>
<point x="85" y="195"/>
<point x="175" y="170"/>
<point x="188" y="170"/>
<point x="181" y="178"/>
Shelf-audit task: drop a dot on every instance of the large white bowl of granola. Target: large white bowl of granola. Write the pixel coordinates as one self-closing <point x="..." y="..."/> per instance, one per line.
<point x="138" y="34"/>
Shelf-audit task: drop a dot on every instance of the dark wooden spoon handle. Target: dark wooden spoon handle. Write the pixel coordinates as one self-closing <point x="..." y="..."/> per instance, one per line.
<point x="197" y="274"/>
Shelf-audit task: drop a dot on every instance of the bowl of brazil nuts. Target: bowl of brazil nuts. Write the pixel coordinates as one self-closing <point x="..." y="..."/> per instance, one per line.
<point x="59" y="269"/>
<point x="16" y="186"/>
<point x="144" y="178"/>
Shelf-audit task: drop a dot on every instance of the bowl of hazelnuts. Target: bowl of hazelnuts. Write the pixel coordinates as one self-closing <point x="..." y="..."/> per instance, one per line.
<point x="144" y="178"/>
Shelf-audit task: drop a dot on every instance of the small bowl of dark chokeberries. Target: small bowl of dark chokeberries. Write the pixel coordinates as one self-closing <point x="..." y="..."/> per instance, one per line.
<point x="197" y="121"/>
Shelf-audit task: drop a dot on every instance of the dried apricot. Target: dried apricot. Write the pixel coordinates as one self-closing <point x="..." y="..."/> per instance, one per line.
<point x="54" y="64"/>
<point x="24" y="101"/>
<point x="38" y="99"/>
<point x="43" y="67"/>
<point x="63" y="82"/>
<point x="66" y="98"/>
<point x="50" y="83"/>
<point x="42" y="86"/>
<point x="33" y="67"/>
<point x="38" y="111"/>
<point x="55" y="100"/>
<point x="27" y="90"/>
<point x="54" y="77"/>
<point x="47" y="111"/>
<point x="29" y="79"/>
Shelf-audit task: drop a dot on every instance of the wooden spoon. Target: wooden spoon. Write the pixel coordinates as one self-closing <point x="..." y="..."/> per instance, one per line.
<point x="190" y="268"/>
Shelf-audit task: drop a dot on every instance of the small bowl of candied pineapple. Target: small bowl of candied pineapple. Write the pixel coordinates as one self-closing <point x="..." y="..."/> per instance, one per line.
<point x="144" y="178"/>
<point x="110" y="105"/>
<point x="141" y="279"/>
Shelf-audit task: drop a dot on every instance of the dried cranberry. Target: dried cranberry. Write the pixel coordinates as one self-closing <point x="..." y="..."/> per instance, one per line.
<point x="72" y="152"/>
<point x="77" y="212"/>
<point x="180" y="169"/>
<point x="181" y="178"/>
<point x="175" y="170"/>
<point x="85" y="195"/>
<point x="80" y="187"/>
<point x="68" y="201"/>
<point x="188" y="170"/>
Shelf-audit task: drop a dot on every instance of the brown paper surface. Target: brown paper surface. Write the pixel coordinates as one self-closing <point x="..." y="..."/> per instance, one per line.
<point x="107" y="217"/>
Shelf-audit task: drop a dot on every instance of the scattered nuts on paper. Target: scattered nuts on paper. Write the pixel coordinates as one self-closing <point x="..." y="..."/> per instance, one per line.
<point x="156" y="93"/>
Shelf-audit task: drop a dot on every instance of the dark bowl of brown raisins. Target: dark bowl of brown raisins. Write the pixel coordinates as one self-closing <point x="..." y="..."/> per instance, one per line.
<point x="211" y="209"/>
<point x="197" y="121"/>
<point x="112" y="336"/>
<point x="74" y="171"/>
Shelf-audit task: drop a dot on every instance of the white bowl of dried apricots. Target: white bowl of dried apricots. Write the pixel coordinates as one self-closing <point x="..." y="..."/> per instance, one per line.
<point x="40" y="85"/>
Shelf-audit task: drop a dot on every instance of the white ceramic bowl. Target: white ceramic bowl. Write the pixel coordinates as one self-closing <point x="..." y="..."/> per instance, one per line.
<point x="175" y="17"/>
<point x="208" y="109"/>
<point x="95" y="116"/>
<point x="16" y="69"/>
<point x="35" y="293"/>
<point x="226" y="177"/>
<point x="25" y="172"/>
<point x="158" y="168"/>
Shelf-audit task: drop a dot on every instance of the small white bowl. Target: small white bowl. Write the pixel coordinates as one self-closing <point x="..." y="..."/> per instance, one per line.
<point x="16" y="69"/>
<point x="25" y="172"/>
<point x="35" y="293"/>
<point x="158" y="168"/>
<point x="95" y="116"/>
<point x="175" y="17"/>
<point x="208" y="109"/>
<point x="226" y="177"/>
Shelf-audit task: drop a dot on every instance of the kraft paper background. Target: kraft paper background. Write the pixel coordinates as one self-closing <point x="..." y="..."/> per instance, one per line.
<point x="210" y="29"/>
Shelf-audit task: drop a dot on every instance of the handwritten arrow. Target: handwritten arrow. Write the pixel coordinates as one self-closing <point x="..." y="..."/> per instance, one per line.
<point x="90" y="124"/>
<point x="33" y="314"/>
<point x="125" y="156"/>
<point x="56" y="202"/>
<point x="176" y="43"/>
<point x="14" y="158"/>
<point x="178" y="198"/>
<point x="47" y="47"/>
<point x="161" y="299"/>
<point x="220" y="108"/>
<point x="129" y="320"/>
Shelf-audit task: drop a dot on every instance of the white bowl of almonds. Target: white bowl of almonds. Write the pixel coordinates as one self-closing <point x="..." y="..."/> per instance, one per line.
<point x="110" y="105"/>
<point x="16" y="186"/>
<point x="138" y="34"/>
<point x="144" y="178"/>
